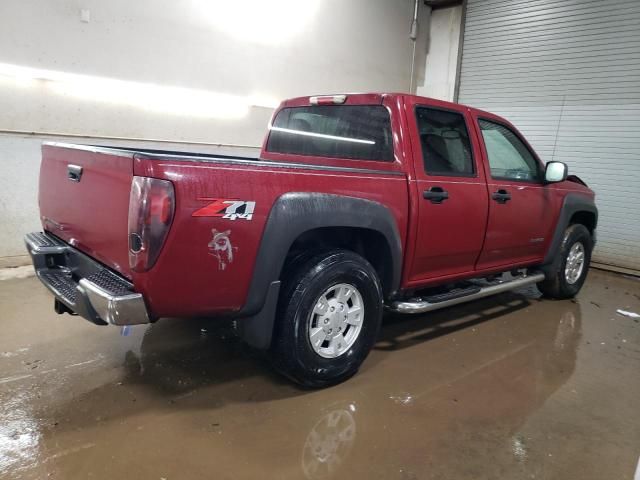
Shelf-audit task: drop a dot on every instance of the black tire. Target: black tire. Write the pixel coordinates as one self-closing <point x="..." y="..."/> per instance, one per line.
<point x="291" y="350"/>
<point x="556" y="284"/>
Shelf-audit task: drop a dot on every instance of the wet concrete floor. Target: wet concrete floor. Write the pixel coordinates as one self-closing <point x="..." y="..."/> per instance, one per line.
<point x="508" y="387"/>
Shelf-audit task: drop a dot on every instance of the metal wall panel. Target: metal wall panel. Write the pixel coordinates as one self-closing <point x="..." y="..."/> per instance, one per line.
<point x="567" y="74"/>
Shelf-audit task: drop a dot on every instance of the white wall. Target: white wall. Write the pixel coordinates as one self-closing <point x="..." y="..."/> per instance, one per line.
<point x="442" y="54"/>
<point x="131" y="69"/>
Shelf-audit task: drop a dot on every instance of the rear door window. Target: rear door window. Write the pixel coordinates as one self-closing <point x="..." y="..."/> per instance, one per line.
<point x="444" y="139"/>
<point x="361" y="132"/>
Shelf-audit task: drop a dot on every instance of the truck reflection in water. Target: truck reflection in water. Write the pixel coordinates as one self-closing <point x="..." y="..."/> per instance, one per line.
<point x="440" y="394"/>
<point x="329" y="442"/>
<point x="494" y="386"/>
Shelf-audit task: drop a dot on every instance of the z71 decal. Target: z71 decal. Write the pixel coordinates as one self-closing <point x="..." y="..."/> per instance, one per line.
<point x="225" y="208"/>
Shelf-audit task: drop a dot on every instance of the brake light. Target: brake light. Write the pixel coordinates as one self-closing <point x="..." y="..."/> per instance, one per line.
<point x="151" y="209"/>
<point x="328" y="100"/>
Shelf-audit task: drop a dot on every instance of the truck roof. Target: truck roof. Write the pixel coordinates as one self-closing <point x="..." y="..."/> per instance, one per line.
<point x="376" y="97"/>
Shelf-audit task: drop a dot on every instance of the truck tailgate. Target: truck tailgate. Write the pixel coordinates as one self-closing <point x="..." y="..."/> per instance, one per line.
<point x="84" y="200"/>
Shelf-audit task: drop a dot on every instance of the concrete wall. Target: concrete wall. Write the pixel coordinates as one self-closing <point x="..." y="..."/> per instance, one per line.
<point x="189" y="70"/>
<point x="442" y="54"/>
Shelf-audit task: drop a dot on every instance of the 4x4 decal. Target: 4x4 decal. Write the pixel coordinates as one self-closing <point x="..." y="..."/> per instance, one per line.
<point x="226" y="208"/>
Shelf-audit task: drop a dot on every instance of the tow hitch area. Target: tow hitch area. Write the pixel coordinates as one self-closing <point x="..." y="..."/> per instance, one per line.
<point x="82" y="286"/>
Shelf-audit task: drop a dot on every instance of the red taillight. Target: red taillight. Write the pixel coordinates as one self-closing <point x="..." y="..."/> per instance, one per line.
<point x="151" y="207"/>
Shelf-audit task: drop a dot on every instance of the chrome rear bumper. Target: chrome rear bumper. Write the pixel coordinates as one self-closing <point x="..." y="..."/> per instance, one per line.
<point x="83" y="286"/>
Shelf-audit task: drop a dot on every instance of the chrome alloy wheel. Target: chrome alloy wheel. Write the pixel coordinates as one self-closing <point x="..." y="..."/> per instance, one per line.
<point x="575" y="263"/>
<point x="336" y="320"/>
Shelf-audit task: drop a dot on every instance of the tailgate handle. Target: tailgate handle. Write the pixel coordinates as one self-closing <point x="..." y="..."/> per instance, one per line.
<point x="74" y="172"/>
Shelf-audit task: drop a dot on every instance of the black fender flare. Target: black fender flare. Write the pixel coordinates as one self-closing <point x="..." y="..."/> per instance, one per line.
<point x="572" y="204"/>
<point x="291" y="215"/>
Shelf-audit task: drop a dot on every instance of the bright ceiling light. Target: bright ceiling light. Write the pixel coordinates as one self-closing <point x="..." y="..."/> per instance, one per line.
<point x="146" y="96"/>
<point x="322" y="135"/>
<point x="259" y="21"/>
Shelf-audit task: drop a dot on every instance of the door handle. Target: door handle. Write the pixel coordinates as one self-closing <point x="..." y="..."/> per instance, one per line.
<point x="436" y="194"/>
<point x="501" y="196"/>
<point x="74" y="172"/>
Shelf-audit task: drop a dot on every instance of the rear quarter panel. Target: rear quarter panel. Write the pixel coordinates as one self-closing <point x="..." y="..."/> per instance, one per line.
<point x="189" y="279"/>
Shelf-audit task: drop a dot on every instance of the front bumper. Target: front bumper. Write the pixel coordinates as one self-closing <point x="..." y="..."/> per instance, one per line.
<point x="83" y="286"/>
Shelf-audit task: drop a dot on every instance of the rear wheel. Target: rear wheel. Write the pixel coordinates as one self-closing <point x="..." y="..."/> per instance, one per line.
<point x="571" y="264"/>
<point x="329" y="316"/>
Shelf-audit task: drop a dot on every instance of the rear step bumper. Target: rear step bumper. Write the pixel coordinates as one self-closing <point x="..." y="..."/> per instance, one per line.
<point x="420" y="305"/>
<point x="83" y="286"/>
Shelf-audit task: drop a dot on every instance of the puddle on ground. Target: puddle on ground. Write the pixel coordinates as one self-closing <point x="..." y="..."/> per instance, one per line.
<point x="507" y="387"/>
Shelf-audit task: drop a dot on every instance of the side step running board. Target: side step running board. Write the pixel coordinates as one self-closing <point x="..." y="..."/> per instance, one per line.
<point x="452" y="294"/>
<point x="421" y="305"/>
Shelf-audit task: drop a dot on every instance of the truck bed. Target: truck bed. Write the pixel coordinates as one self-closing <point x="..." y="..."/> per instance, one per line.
<point x="92" y="214"/>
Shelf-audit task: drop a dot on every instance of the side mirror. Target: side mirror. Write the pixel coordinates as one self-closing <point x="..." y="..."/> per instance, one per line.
<point x="555" y="172"/>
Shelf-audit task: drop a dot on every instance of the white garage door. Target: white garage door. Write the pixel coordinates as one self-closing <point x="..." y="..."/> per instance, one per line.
<point x="567" y="74"/>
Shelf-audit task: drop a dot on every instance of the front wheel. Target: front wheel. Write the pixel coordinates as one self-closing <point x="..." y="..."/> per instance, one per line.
<point x="570" y="265"/>
<point x="329" y="316"/>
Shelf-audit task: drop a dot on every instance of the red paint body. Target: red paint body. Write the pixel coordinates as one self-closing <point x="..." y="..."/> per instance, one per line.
<point x="464" y="236"/>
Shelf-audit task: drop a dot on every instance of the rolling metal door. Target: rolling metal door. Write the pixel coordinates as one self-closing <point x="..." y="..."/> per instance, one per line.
<point x="567" y="74"/>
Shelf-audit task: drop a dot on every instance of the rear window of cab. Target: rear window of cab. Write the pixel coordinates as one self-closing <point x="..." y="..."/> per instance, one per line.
<point x="360" y="132"/>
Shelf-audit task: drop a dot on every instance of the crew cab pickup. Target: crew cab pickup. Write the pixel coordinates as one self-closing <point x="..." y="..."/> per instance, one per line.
<point x="356" y="203"/>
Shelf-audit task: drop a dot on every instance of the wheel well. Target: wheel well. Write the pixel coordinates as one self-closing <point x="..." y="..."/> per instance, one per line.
<point x="370" y="244"/>
<point x="588" y="219"/>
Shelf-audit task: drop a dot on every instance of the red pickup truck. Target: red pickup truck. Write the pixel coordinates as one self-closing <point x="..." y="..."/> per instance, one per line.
<point x="356" y="203"/>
